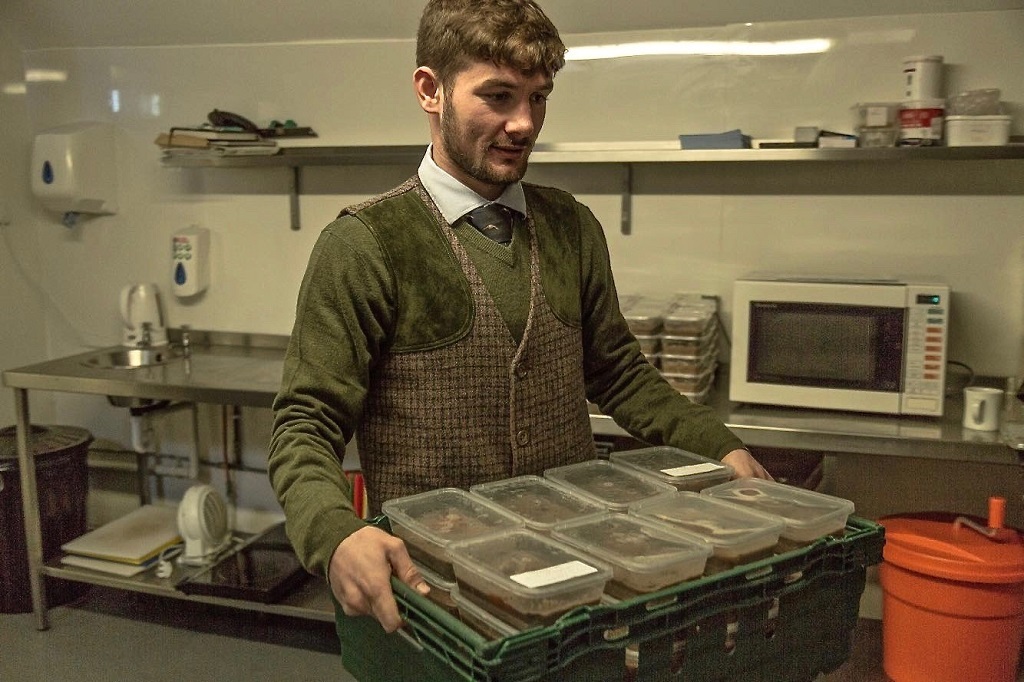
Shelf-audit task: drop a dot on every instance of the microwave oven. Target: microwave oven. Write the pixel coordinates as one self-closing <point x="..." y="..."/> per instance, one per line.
<point x="860" y="345"/>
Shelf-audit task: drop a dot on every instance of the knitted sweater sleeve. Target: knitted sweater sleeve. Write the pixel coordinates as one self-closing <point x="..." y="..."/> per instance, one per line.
<point x="342" y="316"/>
<point x="620" y="381"/>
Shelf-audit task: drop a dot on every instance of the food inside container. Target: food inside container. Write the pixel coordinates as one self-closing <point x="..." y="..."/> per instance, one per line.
<point x="808" y="515"/>
<point x="681" y="469"/>
<point x="737" y="534"/>
<point x="481" y="620"/>
<point x="540" y="502"/>
<point x="690" y="319"/>
<point x="644" y="555"/>
<point x="612" y="485"/>
<point x="525" y="578"/>
<point x="692" y="345"/>
<point x="686" y="364"/>
<point x="429" y="522"/>
<point x="645" y="315"/>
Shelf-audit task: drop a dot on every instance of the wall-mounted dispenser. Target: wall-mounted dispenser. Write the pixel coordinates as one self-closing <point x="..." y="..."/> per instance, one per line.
<point x="190" y="261"/>
<point x="74" y="169"/>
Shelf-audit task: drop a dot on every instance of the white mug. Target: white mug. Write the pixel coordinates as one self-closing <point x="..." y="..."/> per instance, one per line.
<point x="982" y="406"/>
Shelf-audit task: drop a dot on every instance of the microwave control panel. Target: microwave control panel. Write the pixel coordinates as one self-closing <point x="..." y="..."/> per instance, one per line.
<point x="924" y="377"/>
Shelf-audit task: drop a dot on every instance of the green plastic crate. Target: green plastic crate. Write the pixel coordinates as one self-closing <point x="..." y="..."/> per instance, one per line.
<point x="789" y="617"/>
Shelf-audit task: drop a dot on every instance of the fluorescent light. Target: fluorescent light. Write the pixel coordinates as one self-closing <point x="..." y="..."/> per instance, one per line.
<point x="14" y="89"/>
<point x="50" y="75"/>
<point x="699" y="47"/>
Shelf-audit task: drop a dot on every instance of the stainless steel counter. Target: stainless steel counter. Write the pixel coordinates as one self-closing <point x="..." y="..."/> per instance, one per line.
<point x="244" y="369"/>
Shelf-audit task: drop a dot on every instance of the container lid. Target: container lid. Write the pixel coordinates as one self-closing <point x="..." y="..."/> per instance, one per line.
<point x="527" y="564"/>
<point x="989" y="117"/>
<point x="926" y="58"/>
<point x="807" y="514"/>
<point x="720" y="523"/>
<point x="541" y="502"/>
<point x="673" y="464"/>
<point x="42" y="440"/>
<point x="612" y="485"/>
<point x="636" y="544"/>
<point x="448" y="515"/>
<point x="934" y="544"/>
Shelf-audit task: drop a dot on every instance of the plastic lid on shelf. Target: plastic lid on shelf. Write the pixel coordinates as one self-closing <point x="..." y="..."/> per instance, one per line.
<point x="936" y="545"/>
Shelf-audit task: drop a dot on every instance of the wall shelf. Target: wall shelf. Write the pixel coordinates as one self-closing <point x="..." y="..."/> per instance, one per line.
<point x="624" y="153"/>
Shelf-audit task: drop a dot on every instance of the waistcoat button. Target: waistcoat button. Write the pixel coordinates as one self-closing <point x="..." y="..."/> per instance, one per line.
<point x="523" y="436"/>
<point x="521" y="370"/>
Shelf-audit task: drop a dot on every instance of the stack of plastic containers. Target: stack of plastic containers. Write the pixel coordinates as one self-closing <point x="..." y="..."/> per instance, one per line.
<point x="522" y="552"/>
<point x="679" y="335"/>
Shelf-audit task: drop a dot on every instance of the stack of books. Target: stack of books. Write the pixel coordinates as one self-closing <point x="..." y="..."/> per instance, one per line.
<point x="214" y="141"/>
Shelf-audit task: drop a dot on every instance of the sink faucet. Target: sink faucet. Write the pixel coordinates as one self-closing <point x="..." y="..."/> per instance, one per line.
<point x="147" y="335"/>
<point x="186" y="341"/>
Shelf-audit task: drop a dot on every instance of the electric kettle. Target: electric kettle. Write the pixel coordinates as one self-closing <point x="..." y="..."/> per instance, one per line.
<point x="143" y="315"/>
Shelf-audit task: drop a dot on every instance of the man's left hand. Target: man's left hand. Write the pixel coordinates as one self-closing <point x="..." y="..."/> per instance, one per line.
<point x="745" y="466"/>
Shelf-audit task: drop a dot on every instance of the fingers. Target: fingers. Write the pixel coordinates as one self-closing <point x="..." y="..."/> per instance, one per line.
<point x="360" y="575"/>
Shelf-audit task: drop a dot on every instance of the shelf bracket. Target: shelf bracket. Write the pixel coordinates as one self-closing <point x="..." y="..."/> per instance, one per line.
<point x="626" y="224"/>
<point x="293" y="196"/>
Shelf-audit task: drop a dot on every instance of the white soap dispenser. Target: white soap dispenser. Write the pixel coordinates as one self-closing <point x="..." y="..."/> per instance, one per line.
<point x="190" y="261"/>
<point x="74" y="170"/>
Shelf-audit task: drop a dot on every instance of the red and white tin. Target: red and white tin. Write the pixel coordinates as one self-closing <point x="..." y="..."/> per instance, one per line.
<point x="921" y="122"/>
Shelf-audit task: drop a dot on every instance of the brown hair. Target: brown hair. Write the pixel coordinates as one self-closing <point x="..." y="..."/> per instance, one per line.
<point x="515" y="33"/>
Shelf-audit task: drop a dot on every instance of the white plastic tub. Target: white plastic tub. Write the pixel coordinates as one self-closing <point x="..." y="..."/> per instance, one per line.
<point x="977" y="131"/>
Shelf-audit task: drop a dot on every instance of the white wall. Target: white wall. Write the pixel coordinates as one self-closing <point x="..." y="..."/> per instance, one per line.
<point x="22" y="303"/>
<point x="696" y="227"/>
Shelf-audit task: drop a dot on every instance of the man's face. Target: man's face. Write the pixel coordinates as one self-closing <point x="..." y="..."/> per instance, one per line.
<point x="490" y="119"/>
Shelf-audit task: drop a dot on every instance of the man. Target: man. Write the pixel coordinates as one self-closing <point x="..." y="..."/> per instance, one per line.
<point x="452" y="357"/>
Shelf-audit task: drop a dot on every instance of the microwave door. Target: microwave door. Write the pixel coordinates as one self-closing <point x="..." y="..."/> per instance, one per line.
<point x="827" y="355"/>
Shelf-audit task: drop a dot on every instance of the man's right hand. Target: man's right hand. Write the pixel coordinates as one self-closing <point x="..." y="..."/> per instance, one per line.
<point x="360" y="575"/>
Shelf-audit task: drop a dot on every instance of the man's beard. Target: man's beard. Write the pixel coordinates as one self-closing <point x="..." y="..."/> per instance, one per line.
<point x="452" y="136"/>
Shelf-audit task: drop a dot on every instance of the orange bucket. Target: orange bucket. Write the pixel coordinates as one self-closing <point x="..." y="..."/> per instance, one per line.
<point x="952" y="598"/>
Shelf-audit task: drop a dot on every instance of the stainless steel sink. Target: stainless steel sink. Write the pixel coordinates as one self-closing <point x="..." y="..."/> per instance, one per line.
<point x="133" y="358"/>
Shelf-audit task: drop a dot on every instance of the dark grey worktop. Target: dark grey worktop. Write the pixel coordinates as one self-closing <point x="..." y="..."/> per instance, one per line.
<point x="245" y="369"/>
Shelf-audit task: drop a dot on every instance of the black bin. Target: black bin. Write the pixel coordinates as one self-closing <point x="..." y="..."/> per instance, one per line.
<point x="62" y="482"/>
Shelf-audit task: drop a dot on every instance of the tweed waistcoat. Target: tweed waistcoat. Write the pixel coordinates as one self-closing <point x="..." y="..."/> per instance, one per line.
<point x="480" y="408"/>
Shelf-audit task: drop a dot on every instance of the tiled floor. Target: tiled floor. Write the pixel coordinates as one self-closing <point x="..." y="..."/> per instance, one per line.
<point x="110" y="635"/>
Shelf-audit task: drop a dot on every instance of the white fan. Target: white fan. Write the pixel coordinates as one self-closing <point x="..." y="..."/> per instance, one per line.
<point x="202" y="524"/>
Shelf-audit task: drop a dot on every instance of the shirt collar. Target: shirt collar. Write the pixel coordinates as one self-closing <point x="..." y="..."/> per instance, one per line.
<point x="454" y="199"/>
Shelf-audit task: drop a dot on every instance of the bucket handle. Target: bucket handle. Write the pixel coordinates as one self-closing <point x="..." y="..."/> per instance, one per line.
<point x="996" y="516"/>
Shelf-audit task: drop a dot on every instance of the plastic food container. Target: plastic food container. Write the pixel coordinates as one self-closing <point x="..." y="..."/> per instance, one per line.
<point x="644" y="555"/>
<point x="429" y="522"/>
<point x="977" y="131"/>
<point x="808" y="515"/>
<point x="645" y="315"/>
<point x="688" y="382"/>
<point x="612" y="485"/>
<point x="525" y="578"/>
<point x="689" y="319"/>
<point x="876" y="114"/>
<point x="540" y="502"/>
<point x="484" y="622"/>
<point x="878" y="137"/>
<point x="682" y="469"/>
<point x="738" y="535"/>
<point x="677" y="344"/>
<point x="686" y="364"/>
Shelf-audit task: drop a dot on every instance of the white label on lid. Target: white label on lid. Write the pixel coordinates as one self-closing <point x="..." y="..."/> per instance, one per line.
<point x="692" y="469"/>
<point x="553" y="574"/>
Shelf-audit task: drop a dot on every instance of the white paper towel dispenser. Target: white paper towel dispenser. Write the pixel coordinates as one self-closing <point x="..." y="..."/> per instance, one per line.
<point x="74" y="169"/>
